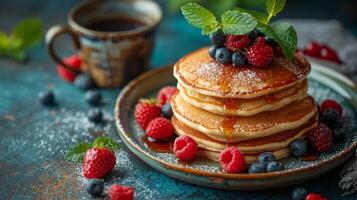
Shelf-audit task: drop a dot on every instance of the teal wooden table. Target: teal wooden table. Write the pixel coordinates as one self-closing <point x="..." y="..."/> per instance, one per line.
<point x="34" y="138"/>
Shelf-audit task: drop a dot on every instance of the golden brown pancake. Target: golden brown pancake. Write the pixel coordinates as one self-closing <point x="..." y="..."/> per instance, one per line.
<point x="234" y="129"/>
<point x="198" y="72"/>
<point x="245" y="107"/>
<point x="259" y="145"/>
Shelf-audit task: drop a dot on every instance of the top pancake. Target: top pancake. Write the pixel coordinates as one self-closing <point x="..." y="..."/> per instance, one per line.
<point x="197" y="71"/>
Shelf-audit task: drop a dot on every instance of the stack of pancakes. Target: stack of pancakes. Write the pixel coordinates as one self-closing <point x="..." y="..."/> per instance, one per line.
<point x="256" y="110"/>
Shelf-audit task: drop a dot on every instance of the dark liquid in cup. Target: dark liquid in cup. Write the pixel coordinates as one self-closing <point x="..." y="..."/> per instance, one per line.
<point x="121" y="23"/>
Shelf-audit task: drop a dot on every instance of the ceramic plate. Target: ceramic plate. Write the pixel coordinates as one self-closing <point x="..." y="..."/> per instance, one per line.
<point x="323" y="83"/>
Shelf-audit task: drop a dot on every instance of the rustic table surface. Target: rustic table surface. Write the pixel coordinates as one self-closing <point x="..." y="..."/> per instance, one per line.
<point x="34" y="138"/>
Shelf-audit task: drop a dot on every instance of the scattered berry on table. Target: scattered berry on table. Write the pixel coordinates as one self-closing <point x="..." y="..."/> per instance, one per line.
<point x="84" y="82"/>
<point x="223" y="55"/>
<point x="93" y="97"/>
<point x="217" y="38"/>
<point x="313" y="196"/>
<point x="47" y="98"/>
<point x="320" y="138"/>
<point x="298" y="147"/>
<point x="95" y="187"/>
<point x="266" y="158"/>
<point x="329" y="54"/>
<point x="212" y="51"/>
<point x="271" y="42"/>
<point x="165" y="94"/>
<point x="235" y="42"/>
<point x="275" y="166"/>
<point x="120" y="192"/>
<point x="160" y="128"/>
<point x="256" y="168"/>
<point x="185" y="148"/>
<point x="145" y="111"/>
<point x="299" y="194"/>
<point x="72" y="61"/>
<point x="95" y="115"/>
<point x="329" y="116"/>
<point x="238" y="59"/>
<point x="313" y="48"/>
<point x="330" y="103"/>
<point x="260" y="54"/>
<point x="232" y="160"/>
<point x="166" y="111"/>
<point x="98" y="162"/>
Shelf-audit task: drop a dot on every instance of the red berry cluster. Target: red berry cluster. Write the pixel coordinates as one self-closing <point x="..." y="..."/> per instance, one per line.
<point x="239" y="50"/>
<point x="321" y="51"/>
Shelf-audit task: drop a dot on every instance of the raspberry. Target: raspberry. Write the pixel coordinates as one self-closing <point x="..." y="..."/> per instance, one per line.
<point x="278" y="52"/>
<point x="98" y="162"/>
<point x="329" y="54"/>
<point x="145" y="111"/>
<point x="313" y="196"/>
<point x="330" y="103"/>
<point x="160" y="129"/>
<point x="67" y="75"/>
<point x="321" y="138"/>
<point x="260" y="54"/>
<point x="185" y="148"/>
<point x="313" y="48"/>
<point x="232" y="160"/>
<point x="235" y="42"/>
<point x="165" y="94"/>
<point x="120" y="192"/>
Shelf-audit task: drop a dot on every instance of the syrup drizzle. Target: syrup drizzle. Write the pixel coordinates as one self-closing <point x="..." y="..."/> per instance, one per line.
<point x="310" y="156"/>
<point x="158" y="146"/>
<point x="227" y="127"/>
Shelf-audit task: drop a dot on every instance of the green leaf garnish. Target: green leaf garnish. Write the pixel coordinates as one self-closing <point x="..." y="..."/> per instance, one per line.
<point x="237" y="23"/>
<point x="76" y="153"/>
<point x="106" y="142"/>
<point x="200" y="17"/>
<point x="260" y="16"/>
<point x="273" y="7"/>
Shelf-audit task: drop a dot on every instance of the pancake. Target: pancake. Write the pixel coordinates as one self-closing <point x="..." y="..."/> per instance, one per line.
<point x="249" y="158"/>
<point x="198" y="72"/>
<point x="264" y="144"/>
<point x="245" y="107"/>
<point x="234" y="129"/>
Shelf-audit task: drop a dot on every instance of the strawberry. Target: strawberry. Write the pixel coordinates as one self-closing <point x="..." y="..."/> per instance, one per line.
<point x="260" y="54"/>
<point x="313" y="48"/>
<point x="145" y="111"/>
<point x="98" y="162"/>
<point x="328" y="53"/>
<point x="72" y="61"/>
<point x="165" y="94"/>
<point x="119" y="192"/>
<point x="160" y="129"/>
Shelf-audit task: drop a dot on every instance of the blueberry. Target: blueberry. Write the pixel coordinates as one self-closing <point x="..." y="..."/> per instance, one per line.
<point x="329" y="116"/>
<point x="238" y="59"/>
<point x="212" y="51"/>
<point x="84" y="82"/>
<point x="339" y="130"/>
<point x="95" y="187"/>
<point x="299" y="194"/>
<point x="266" y="158"/>
<point x="260" y="34"/>
<point x="256" y="168"/>
<point x="217" y="38"/>
<point x="223" y="55"/>
<point x="166" y="110"/>
<point x="253" y="35"/>
<point x="47" y="98"/>
<point x="275" y="166"/>
<point x="95" y="115"/>
<point x="93" y="97"/>
<point x="271" y="42"/>
<point x="298" y="147"/>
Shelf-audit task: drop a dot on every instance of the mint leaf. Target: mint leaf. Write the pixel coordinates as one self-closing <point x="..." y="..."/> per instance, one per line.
<point x="106" y="142"/>
<point x="200" y="17"/>
<point x="75" y="153"/>
<point x="237" y="23"/>
<point x="29" y="31"/>
<point x="273" y="7"/>
<point x="4" y="42"/>
<point x="284" y="34"/>
<point x="260" y="16"/>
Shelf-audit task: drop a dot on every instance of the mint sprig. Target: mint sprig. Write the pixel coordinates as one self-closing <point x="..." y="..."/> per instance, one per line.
<point x="237" y="23"/>
<point x="273" y="7"/>
<point x="76" y="153"/>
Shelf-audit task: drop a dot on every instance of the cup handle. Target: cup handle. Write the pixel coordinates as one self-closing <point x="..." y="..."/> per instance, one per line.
<point x="51" y="35"/>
